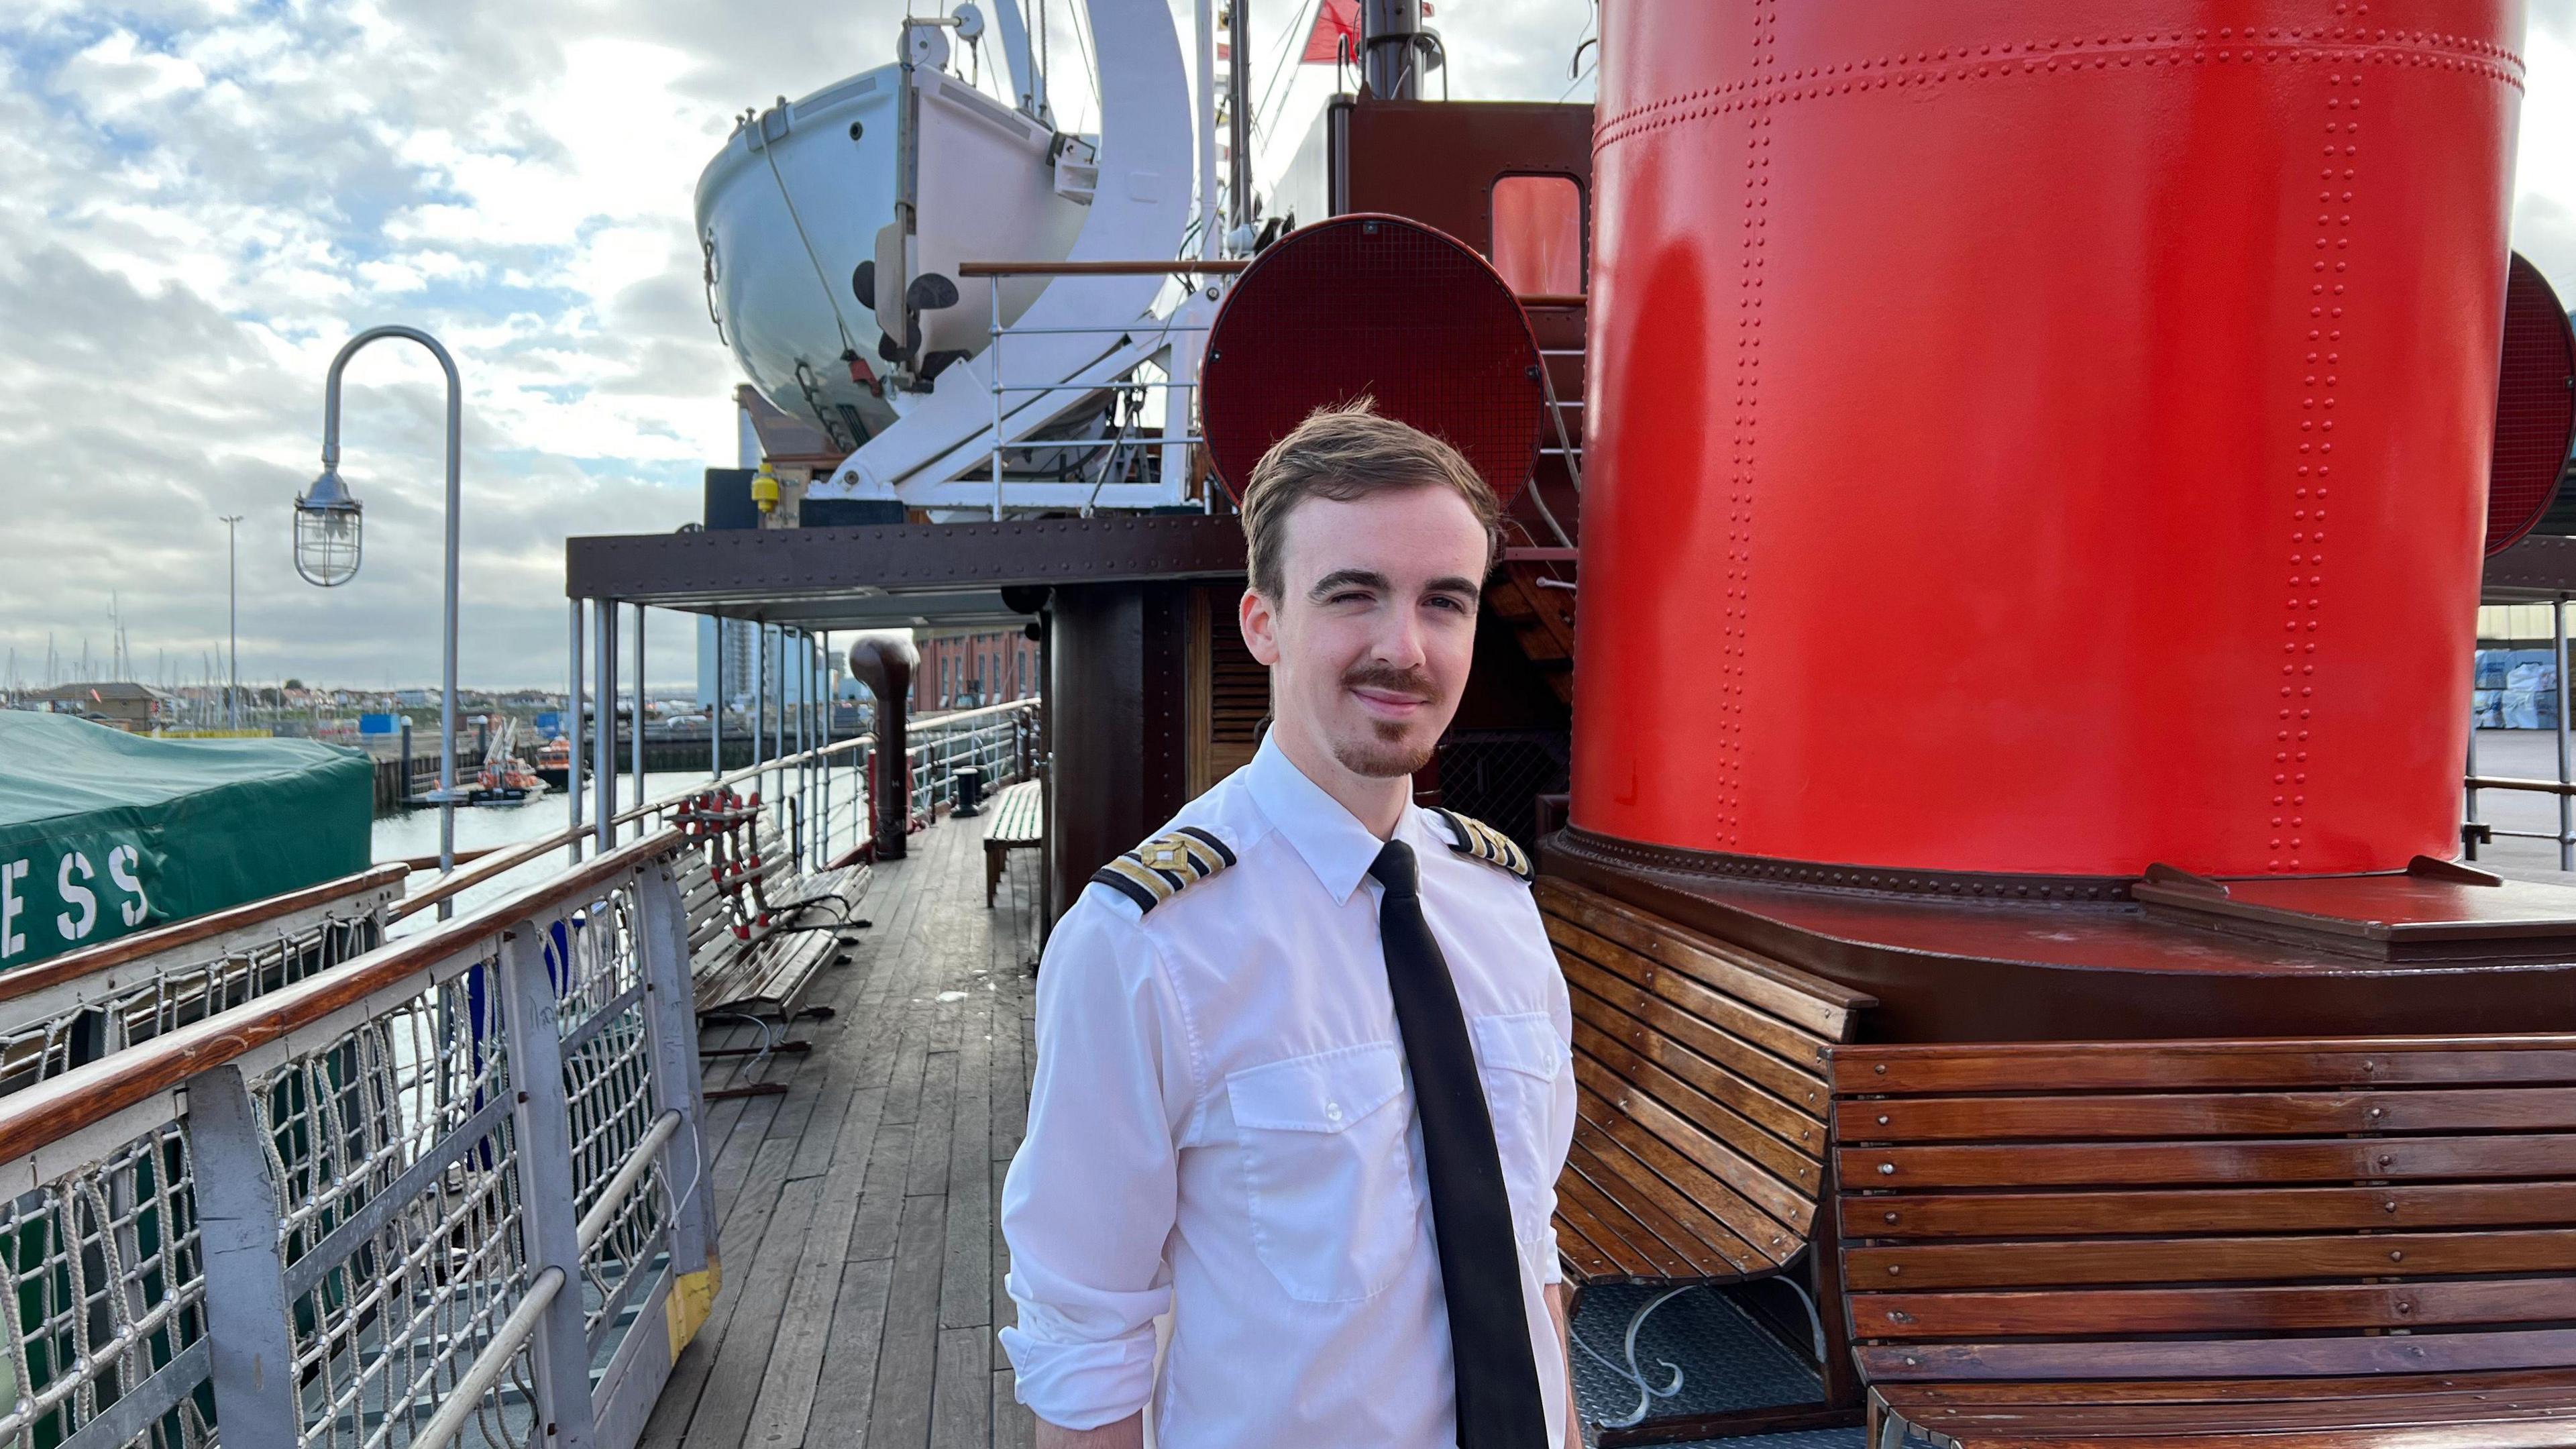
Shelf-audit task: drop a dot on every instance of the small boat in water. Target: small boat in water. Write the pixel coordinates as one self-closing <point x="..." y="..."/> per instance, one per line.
<point x="554" y="762"/>
<point x="504" y="778"/>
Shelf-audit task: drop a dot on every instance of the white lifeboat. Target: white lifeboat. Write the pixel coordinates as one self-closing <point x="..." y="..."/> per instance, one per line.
<point x="832" y="227"/>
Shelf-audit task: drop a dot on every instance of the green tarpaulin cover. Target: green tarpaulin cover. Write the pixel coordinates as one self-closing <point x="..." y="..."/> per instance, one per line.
<point x="103" y="833"/>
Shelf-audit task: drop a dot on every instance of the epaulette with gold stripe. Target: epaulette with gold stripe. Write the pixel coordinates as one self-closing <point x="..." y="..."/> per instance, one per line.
<point x="1474" y="837"/>
<point x="1155" y="871"/>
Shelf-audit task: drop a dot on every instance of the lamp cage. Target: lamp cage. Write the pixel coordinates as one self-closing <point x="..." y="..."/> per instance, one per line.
<point x="328" y="528"/>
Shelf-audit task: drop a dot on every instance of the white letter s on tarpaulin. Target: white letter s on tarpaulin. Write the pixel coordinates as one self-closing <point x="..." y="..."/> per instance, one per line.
<point x="77" y="897"/>
<point x="120" y="869"/>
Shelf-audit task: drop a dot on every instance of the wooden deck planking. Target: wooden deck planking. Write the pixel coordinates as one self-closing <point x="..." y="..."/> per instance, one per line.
<point x="862" y="1251"/>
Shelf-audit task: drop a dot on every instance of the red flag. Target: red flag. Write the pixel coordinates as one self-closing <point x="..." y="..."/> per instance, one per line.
<point x="1335" y="22"/>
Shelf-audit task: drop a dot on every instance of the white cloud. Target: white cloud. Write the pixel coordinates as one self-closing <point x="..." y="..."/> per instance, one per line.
<point x="117" y="77"/>
<point x="207" y="199"/>
<point x="2544" y="181"/>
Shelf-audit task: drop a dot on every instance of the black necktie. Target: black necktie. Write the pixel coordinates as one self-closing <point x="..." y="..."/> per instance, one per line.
<point x="1471" y="1213"/>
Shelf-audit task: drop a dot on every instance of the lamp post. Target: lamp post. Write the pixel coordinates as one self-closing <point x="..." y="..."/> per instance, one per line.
<point x="327" y="543"/>
<point x="232" y="617"/>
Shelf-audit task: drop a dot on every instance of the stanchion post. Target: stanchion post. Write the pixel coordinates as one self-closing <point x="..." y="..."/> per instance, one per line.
<point x="671" y="1007"/>
<point x="541" y="1129"/>
<point x="247" y="1321"/>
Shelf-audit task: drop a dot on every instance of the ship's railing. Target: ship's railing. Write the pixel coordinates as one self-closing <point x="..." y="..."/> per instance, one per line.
<point x="1001" y="740"/>
<point x="823" y="791"/>
<point x="2473" y="831"/>
<point x="820" y="794"/>
<point x="1564" y="438"/>
<point x="446" y="1193"/>
<point x="78" y="1007"/>
<point x="1176" y="389"/>
<point x="1179" y="394"/>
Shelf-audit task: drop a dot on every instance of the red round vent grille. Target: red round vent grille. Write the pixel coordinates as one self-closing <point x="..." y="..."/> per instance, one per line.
<point x="1382" y="306"/>
<point x="2535" y="419"/>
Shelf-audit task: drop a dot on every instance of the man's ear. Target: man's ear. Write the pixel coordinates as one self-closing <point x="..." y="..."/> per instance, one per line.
<point x="1259" y="621"/>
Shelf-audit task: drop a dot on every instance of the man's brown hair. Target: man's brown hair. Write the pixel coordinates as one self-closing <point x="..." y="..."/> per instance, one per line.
<point x="1344" y="453"/>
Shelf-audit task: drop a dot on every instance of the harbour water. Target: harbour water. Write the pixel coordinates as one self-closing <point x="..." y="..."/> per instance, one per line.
<point x="413" y="834"/>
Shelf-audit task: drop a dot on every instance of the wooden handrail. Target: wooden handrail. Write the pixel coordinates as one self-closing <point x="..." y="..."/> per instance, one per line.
<point x="1217" y="267"/>
<point x="463" y="857"/>
<point x="486" y="865"/>
<point x="85" y="1096"/>
<point x="1214" y="268"/>
<point x="28" y="980"/>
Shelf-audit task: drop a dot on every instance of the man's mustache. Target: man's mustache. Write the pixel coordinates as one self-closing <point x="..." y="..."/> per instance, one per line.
<point x="1415" y="682"/>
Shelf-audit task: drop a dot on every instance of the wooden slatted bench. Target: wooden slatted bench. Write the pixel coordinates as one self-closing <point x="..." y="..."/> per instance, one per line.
<point x="766" y="975"/>
<point x="2287" y="1244"/>
<point x="1699" y="1147"/>
<point x="1017" y="822"/>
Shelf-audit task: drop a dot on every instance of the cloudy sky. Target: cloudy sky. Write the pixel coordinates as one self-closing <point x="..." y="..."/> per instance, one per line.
<point x="204" y="198"/>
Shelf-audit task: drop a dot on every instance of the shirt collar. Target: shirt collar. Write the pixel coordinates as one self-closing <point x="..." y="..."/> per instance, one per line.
<point x="1335" y="845"/>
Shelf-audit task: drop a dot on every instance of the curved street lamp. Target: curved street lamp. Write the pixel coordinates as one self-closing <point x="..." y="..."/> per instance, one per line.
<point x="327" y="519"/>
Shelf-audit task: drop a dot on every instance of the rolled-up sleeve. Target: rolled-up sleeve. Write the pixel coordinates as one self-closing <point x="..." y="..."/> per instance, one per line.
<point x="1090" y="1198"/>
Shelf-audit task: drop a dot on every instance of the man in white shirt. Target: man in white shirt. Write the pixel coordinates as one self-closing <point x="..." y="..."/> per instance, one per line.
<point x="1304" y="1074"/>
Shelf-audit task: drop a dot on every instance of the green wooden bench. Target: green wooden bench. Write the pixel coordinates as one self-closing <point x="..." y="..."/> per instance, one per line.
<point x="1015" y="820"/>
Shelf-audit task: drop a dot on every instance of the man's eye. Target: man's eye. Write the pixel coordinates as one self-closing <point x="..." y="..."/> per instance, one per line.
<point x="1348" y="596"/>
<point x="1450" y="602"/>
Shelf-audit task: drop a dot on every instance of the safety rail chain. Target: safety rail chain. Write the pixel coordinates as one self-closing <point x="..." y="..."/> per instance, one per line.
<point x="449" y="1192"/>
<point x="799" y="784"/>
<point x="79" y="1006"/>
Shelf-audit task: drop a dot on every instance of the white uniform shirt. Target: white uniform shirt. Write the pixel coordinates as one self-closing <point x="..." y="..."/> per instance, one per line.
<point x="1222" y="1123"/>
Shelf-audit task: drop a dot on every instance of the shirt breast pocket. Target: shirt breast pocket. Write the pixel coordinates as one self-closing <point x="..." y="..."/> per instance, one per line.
<point x="1520" y="1056"/>
<point x="1329" y="1171"/>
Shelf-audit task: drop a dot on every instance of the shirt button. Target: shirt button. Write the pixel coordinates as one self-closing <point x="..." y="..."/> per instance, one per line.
<point x="1333" y="1111"/>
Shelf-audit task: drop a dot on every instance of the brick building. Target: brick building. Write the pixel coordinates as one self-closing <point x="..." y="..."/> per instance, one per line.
<point x="128" y="706"/>
<point x="963" y="671"/>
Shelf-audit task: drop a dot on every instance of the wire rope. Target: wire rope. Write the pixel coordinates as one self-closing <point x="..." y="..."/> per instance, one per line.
<point x="1082" y="37"/>
<point x="1291" y="55"/>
